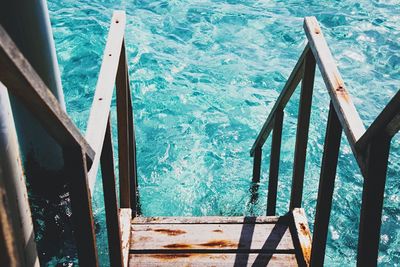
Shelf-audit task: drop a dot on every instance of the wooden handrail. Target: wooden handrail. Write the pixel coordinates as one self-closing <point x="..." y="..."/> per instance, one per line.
<point x="97" y="123"/>
<point x="388" y="121"/>
<point x="370" y="147"/>
<point x="22" y="81"/>
<point x="114" y="73"/>
<point x="82" y="154"/>
<point x="17" y="74"/>
<point x="351" y="122"/>
<point x="288" y="89"/>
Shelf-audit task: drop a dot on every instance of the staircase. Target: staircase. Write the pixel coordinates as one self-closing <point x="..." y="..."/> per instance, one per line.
<point x="221" y="241"/>
<point x="206" y="241"/>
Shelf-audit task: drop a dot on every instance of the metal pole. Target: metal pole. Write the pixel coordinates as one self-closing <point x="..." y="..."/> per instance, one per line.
<point x="28" y="24"/>
<point x="12" y="177"/>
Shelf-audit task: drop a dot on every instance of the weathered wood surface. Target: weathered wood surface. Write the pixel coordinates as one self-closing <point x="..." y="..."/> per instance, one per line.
<point x="212" y="237"/>
<point x="372" y="200"/>
<point x="125" y="216"/>
<point x="209" y="220"/>
<point x="274" y="162"/>
<point x="388" y="120"/>
<point x="22" y="81"/>
<point x="326" y="187"/>
<point x="215" y="259"/>
<point x="282" y="100"/>
<point x="81" y="203"/>
<point x="303" y="124"/>
<point x="345" y="109"/>
<point x="124" y="141"/>
<point x="98" y="117"/>
<point x="301" y="233"/>
<point x="257" y="164"/>
<point x="218" y="241"/>
<point x="110" y="200"/>
<point x="132" y="154"/>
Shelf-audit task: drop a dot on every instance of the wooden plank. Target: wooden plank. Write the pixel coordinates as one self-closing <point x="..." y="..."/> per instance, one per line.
<point x="98" y="117"/>
<point x="303" y="124"/>
<point x="22" y="81"/>
<point x="81" y="203"/>
<point x="372" y="200"/>
<point x="257" y="165"/>
<point x="282" y="100"/>
<point x="211" y="237"/>
<point x="125" y="216"/>
<point x="124" y="142"/>
<point x="388" y="120"/>
<point x="302" y="236"/>
<point x="326" y="187"/>
<point x="345" y="109"/>
<point x="274" y="163"/>
<point x="209" y="220"/>
<point x="110" y="200"/>
<point x="223" y="260"/>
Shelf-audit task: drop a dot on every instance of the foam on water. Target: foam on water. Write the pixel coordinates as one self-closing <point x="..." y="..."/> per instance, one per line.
<point x="204" y="76"/>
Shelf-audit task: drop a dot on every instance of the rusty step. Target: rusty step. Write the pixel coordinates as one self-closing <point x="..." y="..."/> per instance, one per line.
<point x="220" y="241"/>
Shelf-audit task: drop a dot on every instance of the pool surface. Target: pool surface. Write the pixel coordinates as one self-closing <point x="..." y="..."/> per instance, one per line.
<point x="204" y="75"/>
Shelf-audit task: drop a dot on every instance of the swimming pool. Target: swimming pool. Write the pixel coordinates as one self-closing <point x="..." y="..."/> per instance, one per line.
<point x="204" y="75"/>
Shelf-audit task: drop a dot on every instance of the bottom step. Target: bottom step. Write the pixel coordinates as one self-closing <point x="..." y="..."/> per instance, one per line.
<point x="201" y="259"/>
<point x="220" y="241"/>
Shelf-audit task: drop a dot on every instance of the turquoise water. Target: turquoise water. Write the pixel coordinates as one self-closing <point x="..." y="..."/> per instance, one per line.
<point x="204" y="75"/>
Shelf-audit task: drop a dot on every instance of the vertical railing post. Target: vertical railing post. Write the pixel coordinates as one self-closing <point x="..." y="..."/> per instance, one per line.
<point x="257" y="164"/>
<point x="110" y="200"/>
<point x="132" y="149"/>
<point x="303" y="123"/>
<point x="326" y="187"/>
<point x="82" y="214"/>
<point x="123" y="132"/>
<point x="372" y="200"/>
<point x="274" y="163"/>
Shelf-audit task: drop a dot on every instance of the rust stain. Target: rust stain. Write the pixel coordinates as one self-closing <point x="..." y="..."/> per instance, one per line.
<point x="219" y="243"/>
<point x="144" y="238"/>
<point x="306" y="254"/>
<point x="303" y="229"/>
<point x="177" y="245"/>
<point x="220" y="257"/>
<point x="340" y="89"/>
<point x="170" y="232"/>
<point x="171" y="256"/>
<point x="317" y="31"/>
<point x="218" y="231"/>
<point x="305" y="247"/>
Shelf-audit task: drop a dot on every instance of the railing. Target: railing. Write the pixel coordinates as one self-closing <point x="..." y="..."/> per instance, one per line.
<point x="82" y="154"/>
<point x="370" y="147"/>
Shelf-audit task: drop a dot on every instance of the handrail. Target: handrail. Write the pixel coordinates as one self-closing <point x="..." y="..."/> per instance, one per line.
<point x="82" y="154"/>
<point x="114" y="73"/>
<point x="341" y="100"/>
<point x="22" y="81"/>
<point x="370" y="147"/>
<point x="283" y="99"/>
<point x="387" y="120"/>
<point x="98" y="118"/>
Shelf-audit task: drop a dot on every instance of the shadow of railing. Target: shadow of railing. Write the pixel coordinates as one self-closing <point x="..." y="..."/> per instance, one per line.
<point x="269" y="247"/>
